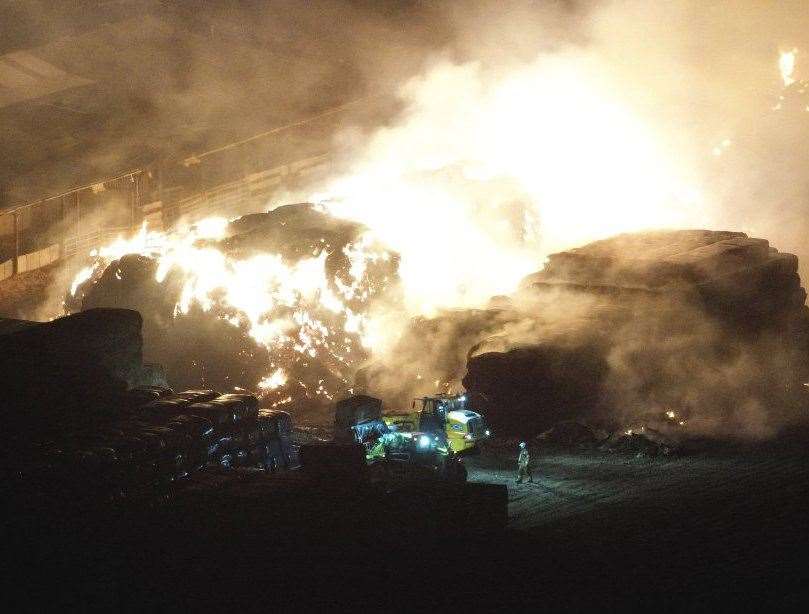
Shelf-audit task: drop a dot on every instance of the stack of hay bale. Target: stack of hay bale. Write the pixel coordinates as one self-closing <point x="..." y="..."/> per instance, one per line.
<point x="704" y="331"/>
<point x="154" y="443"/>
<point x="80" y="421"/>
<point x="709" y="325"/>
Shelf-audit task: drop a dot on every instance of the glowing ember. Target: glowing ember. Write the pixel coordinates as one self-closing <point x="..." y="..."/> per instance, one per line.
<point x="284" y="401"/>
<point x="82" y="276"/>
<point x="786" y="64"/>
<point x="275" y="380"/>
<point x="718" y="150"/>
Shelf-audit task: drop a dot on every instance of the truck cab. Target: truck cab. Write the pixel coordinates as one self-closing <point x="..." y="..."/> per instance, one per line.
<point x="447" y="415"/>
<point x="465" y="429"/>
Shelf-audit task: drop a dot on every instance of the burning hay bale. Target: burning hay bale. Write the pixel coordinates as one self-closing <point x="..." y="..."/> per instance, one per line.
<point x="741" y="281"/>
<point x="711" y="324"/>
<point x="535" y="387"/>
<point x="274" y="302"/>
<point x="431" y="353"/>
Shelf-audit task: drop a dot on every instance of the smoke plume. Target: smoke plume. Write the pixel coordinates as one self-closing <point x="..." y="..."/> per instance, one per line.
<point x="513" y="130"/>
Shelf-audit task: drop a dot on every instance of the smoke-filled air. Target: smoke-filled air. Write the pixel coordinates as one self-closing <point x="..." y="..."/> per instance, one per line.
<point x="432" y="305"/>
<point x="417" y="264"/>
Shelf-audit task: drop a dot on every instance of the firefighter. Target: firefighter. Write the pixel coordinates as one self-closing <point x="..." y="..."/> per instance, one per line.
<point x="524" y="464"/>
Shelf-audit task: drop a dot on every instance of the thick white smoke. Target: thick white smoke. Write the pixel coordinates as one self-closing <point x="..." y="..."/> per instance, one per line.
<point x="486" y="173"/>
<point x="583" y="122"/>
<point x="636" y="116"/>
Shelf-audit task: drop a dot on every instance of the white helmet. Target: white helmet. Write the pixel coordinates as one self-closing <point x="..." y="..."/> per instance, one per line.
<point x="522" y="445"/>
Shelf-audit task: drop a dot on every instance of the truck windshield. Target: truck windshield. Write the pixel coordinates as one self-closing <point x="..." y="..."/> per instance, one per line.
<point x="475" y="426"/>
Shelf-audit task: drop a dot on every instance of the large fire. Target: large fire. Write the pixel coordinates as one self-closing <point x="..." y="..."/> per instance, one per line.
<point x="485" y="175"/>
<point x="481" y="178"/>
<point x="292" y="307"/>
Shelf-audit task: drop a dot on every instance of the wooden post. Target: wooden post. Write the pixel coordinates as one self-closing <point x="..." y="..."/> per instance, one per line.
<point x="16" y="261"/>
<point x="159" y="172"/>
<point x="78" y="221"/>
<point x="135" y="201"/>
<point x="62" y="227"/>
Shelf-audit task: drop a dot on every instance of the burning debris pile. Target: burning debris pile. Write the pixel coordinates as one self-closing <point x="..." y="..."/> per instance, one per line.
<point x="698" y="330"/>
<point x="274" y="302"/>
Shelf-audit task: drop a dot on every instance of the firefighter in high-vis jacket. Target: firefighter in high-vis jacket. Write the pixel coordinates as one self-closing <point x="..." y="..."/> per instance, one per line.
<point x="524" y="464"/>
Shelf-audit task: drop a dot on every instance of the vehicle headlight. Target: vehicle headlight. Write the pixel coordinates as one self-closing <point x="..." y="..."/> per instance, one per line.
<point x="424" y="441"/>
<point x="488" y="432"/>
<point x="468" y="436"/>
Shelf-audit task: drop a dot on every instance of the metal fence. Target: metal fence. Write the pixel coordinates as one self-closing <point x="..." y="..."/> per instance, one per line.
<point x="74" y="222"/>
<point x="86" y="217"/>
<point x="37" y="259"/>
<point x="91" y="216"/>
<point x="6" y="269"/>
<point x="85" y="244"/>
<point x="252" y="193"/>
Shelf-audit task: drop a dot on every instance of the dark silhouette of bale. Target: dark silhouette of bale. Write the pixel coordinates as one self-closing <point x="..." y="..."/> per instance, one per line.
<point x="78" y="366"/>
<point x="353" y="410"/>
<point x="523" y="390"/>
<point x="639" y="444"/>
<point x="10" y="325"/>
<point x="569" y="433"/>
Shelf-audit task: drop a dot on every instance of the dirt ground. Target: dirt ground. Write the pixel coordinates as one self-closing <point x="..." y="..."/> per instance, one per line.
<point x="719" y="530"/>
<point x="697" y="532"/>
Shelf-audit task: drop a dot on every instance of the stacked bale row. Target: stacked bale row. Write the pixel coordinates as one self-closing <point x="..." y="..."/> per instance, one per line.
<point x="158" y="438"/>
<point x="68" y="368"/>
<point x="700" y="333"/>
<point x="236" y="432"/>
